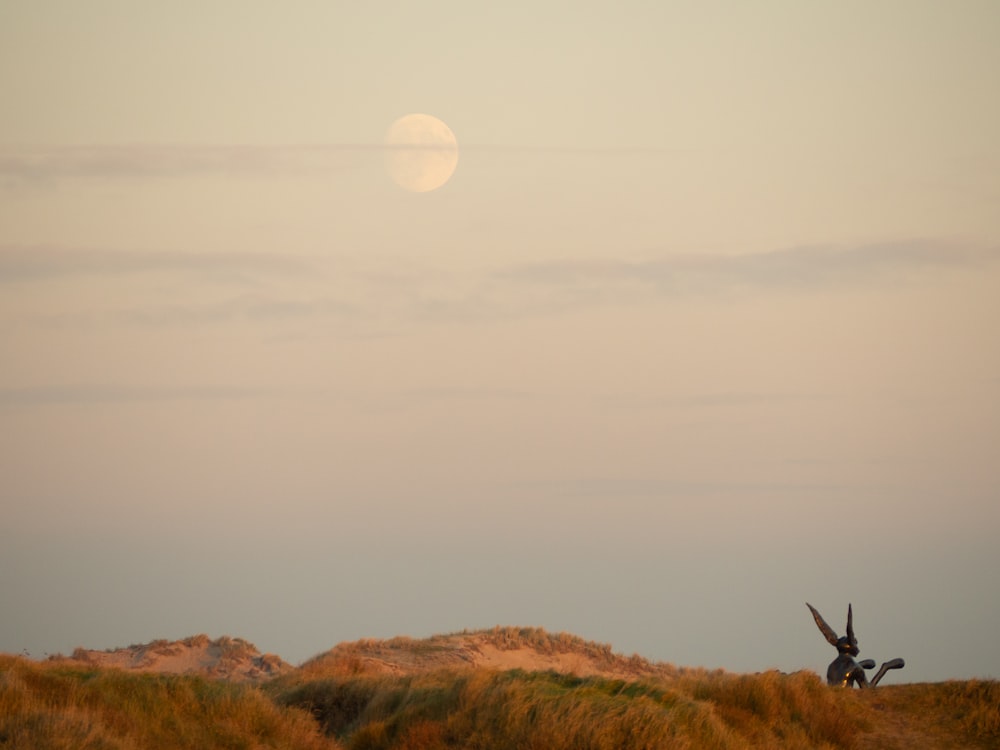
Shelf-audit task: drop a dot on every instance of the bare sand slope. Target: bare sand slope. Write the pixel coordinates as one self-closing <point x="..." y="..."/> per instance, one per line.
<point x="224" y="658"/>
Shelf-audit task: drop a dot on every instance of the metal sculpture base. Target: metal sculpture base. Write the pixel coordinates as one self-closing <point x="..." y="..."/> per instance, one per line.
<point x="844" y="670"/>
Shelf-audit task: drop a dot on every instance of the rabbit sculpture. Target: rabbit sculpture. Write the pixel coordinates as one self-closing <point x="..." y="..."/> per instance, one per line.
<point x="843" y="670"/>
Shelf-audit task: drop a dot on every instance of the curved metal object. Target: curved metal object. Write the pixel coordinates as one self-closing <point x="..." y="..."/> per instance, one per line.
<point x="844" y="670"/>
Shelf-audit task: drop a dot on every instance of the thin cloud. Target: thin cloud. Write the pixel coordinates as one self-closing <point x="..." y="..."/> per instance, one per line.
<point x="462" y="394"/>
<point x="247" y="308"/>
<point x="556" y="287"/>
<point x="367" y="292"/>
<point x="27" y="263"/>
<point x="122" y="394"/>
<point x="256" y="309"/>
<point x="797" y="267"/>
<point x="448" y="396"/>
<point x="647" y="487"/>
<point x="40" y="165"/>
<point x="711" y="400"/>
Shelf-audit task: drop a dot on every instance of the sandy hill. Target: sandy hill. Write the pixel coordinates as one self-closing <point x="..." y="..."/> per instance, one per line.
<point x="503" y="687"/>
<point x="501" y="648"/>
<point x="224" y="658"/>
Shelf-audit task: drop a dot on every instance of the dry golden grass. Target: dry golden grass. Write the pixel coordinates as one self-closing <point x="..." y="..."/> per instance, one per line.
<point x="922" y="716"/>
<point x="64" y="705"/>
<point x="339" y="701"/>
<point x="428" y="703"/>
<point x="516" y="709"/>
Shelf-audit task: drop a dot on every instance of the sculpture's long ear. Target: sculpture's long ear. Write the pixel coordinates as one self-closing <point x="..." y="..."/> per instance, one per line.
<point x="825" y="629"/>
<point x="850" y="627"/>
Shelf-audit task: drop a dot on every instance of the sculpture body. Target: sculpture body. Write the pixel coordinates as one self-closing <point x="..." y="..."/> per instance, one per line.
<point x="844" y="670"/>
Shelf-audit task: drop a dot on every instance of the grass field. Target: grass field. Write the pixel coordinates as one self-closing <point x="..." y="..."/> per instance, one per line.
<point x="528" y="710"/>
<point x="492" y="710"/>
<point x="335" y="703"/>
<point x="57" y="705"/>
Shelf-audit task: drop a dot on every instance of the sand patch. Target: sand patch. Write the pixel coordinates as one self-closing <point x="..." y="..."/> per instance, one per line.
<point x="223" y="658"/>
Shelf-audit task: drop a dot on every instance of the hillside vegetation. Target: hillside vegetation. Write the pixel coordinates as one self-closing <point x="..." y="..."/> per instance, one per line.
<point x="459" y="691"/>
<point x="546" y="710"/>
<point x="532" y="649"/>
<point x="61" y="704"/>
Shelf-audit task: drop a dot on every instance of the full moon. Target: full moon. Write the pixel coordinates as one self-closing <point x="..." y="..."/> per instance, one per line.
<point x="421" y="153"/>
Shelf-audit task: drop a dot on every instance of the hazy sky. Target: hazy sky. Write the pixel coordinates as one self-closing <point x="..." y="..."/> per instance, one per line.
<point x="704" y="326"/>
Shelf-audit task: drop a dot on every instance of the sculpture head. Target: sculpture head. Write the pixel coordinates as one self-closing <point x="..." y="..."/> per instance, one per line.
<point x="845" y="646"/>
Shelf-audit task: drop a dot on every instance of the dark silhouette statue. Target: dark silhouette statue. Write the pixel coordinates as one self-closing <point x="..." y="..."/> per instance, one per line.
<point x="843" y="670"/>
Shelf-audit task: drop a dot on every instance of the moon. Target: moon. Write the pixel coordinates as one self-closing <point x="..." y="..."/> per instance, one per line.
<point x="421" y="153"/>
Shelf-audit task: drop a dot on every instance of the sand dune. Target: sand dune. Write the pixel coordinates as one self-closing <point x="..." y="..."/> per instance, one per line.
<point x="223" y="658"/>
<point x="530" y="649"/>
<point x="501" y="648"/>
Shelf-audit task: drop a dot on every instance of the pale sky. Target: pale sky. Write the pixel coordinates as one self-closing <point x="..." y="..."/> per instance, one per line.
<point x="703" y="327"/>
